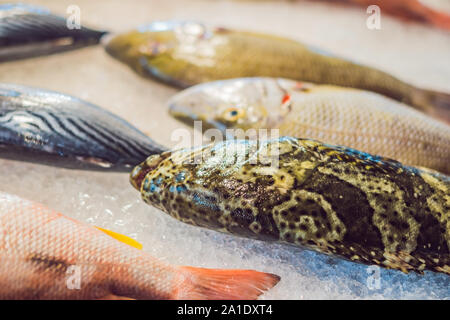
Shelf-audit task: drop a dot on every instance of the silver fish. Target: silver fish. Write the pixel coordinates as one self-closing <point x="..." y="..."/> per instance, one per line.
<point x="56" y="129"/>
<point x="355" y="118"/>
<point x="28" y="31"/>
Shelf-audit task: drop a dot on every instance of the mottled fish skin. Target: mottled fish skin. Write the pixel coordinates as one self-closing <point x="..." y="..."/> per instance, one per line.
<point x="27" y="31"/>
<point x="331" y="199"/>
<point x="46" y="255"/>
<point x="358" y="119"/>
<point x="187" y="53"/>
<point x="56" y="129"/>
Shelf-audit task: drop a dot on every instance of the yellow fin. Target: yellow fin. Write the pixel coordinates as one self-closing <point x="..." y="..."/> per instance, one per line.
<point x="122" y="238"/>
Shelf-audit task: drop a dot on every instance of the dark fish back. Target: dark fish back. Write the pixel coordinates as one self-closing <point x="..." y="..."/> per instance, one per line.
<point x="27" y="31"/>
<point x="56" y="129"/>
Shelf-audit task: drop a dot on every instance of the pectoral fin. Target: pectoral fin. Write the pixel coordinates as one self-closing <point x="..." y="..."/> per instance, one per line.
<point x="122" y="238"/>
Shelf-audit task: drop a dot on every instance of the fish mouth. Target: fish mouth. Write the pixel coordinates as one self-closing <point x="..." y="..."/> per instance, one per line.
<point x="106" y="39"/>
<point x="139" y="172"/>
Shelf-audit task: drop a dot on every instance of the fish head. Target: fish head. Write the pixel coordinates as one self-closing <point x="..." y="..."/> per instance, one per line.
<point x="158" y="49"/>
<point x="244" y="103"/>
<point x="219" y="186"/>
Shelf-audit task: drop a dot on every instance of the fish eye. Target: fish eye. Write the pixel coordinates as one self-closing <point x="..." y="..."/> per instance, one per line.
<point x="233" y="113"/>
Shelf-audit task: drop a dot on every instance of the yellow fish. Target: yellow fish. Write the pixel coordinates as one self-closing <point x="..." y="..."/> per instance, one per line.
<point x="188" y="53"/>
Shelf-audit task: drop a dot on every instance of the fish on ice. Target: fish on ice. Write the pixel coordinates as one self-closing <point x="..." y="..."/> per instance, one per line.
<point x="331" y="199"/>
<point x="355" y="118"/>
<point x="28" y="31"/>
<point x="185" y="53"/>
<point x="42" y="252"/>
<point x="55" y="129"/>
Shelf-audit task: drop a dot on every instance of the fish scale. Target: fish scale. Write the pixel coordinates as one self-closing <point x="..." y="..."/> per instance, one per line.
<point x="331" y="199"/>
<point x="28" y="31"/>
<point x="185" y="53"/>
<point x="56" y="129"/>
<point x="42" y="253"/>
<point x="354" y="118"/>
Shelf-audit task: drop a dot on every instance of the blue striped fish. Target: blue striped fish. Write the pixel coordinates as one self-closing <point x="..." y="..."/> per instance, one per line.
<point x="56" y="129"/>
<point x="27" y="31"/>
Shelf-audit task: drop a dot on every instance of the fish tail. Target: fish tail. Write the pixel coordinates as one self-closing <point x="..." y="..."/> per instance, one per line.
<point x="436" y="104"/>
<point x="413" y="10"/>
<point x="438" y="19"/>
<point x="216" y="284"/>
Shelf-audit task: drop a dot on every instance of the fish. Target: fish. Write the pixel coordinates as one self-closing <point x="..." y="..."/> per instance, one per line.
<point x="185" y="53"/>
<point x="56" y="129"/>
<point x="46" y="255"/>
<point x="29" y="31"/>
<point x="407" y="10"/>
<point x="301" y="192"/>
<point x="354" y="118"/>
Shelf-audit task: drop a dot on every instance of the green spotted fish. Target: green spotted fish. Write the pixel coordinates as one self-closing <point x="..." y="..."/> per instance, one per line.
<point x="331" y="199"/>
<point x="188" y="53"/>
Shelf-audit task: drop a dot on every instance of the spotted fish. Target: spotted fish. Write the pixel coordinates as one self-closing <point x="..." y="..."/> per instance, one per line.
<point x="302" y="192"/>
<point x="188" y="53"/>
<point x="56" y="129"/>
<point x="45" y="255"/>
<point x="354" y="118"/>
<point x="27" y="31"/>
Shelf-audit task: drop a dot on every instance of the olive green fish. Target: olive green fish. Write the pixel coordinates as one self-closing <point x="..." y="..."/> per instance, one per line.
<point x="331" y="199"/>
<point x="354" y="118"/>
<point x="188" y="53"/>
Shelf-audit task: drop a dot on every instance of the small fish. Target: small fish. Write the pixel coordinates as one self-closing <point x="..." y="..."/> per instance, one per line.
<point x="187" y="53"/>
<point x="56" y="129"/>
<point x="42" y="253"/>
<point x="331" y="199"/>
<point x="354" y="118"/>
<point x="28" y="31"/>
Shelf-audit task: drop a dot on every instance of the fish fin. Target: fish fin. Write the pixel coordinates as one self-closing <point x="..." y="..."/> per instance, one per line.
<point x="122" y="238"/>
<point x="217" y="284"/>
<point x="436" y="104"/>
<point x="428" y="170"/>
<point x="438" y="18"/>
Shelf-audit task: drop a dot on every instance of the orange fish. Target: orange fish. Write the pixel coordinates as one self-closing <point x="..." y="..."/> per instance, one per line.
<point x="46" y="255"/>
<point x="408" y="10"/>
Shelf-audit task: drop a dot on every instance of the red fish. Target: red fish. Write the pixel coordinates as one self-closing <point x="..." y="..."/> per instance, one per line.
<point x="45" y="255"/>
<point x="408" y="10"/>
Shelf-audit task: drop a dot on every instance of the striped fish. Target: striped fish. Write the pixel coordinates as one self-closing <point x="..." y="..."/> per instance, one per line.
<point x="27" y="31"/>
<point x="56" y="129"/>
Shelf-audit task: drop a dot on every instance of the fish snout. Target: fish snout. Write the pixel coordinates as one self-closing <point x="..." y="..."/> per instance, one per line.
<point x="139" y="172"/>
<point x="191" y="112"/>
<point x="106" y="39"/>
<point x="183" y="111"/>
